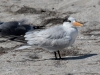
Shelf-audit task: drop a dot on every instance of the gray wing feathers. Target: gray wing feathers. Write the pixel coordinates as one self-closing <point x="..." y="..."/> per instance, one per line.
<point x="56" y="42"/>
<point x="55" y="36"/>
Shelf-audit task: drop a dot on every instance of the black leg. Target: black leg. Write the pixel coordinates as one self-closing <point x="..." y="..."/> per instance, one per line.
<point x="55" y="55"/>
<point x="59" y="54"/>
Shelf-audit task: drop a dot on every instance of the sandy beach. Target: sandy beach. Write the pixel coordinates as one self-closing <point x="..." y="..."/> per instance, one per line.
<point x="82" y="59"/>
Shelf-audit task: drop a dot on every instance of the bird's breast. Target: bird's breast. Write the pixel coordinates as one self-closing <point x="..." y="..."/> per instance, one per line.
<point x="73" y="35"/>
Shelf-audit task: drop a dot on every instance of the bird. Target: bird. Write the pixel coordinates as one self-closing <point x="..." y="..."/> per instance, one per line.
<point x="55" y="38"/>
<point x="1" y="22"/>
<point x="16" y="28"/>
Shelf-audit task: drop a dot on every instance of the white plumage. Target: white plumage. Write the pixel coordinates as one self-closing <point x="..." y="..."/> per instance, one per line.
<point x="55" y="38"/>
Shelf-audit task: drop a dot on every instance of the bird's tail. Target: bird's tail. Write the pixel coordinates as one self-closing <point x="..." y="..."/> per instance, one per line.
<point x="23" y="47"/>
<point x="32" y="38"/>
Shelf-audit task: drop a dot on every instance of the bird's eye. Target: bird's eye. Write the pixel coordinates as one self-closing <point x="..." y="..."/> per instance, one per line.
<point x="69" y="21"/>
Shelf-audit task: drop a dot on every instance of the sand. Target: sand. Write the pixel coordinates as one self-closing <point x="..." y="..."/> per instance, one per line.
<point x="83" y="59"/>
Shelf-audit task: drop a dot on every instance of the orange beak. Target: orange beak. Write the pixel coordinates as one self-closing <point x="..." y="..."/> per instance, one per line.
<point x="77" y="24"/>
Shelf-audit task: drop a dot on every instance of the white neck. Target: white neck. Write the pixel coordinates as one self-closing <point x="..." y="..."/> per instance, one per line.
<point x="66" y="24"/>
<point x="69" y="28"/>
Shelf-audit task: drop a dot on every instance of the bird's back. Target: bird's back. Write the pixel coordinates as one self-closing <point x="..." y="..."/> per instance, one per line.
<point x="53" y="38"/>
<point x="8" y="27"/>
<point x="14" y="28"/>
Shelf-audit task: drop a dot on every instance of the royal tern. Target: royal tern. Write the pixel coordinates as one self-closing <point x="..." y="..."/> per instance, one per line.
<point x="55" y="38"/>
<point x="16" y="28"/>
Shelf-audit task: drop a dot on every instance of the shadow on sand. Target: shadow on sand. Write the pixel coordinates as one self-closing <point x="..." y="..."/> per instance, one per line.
<point x="65" y="58"/>
<point x="76" y="57"/>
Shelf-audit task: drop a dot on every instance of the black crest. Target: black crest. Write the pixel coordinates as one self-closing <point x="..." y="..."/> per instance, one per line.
<point x="66" y="19"/>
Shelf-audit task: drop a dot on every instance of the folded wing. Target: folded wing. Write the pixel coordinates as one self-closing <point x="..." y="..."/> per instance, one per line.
<point x="49" y="38"/>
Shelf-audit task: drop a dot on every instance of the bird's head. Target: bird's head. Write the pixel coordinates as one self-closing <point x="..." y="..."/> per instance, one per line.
<point x="72" y="22"/>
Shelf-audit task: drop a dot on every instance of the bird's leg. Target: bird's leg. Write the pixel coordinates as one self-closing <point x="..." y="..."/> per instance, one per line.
<point x="59" y="54"/>
<point x="55" y="55"/>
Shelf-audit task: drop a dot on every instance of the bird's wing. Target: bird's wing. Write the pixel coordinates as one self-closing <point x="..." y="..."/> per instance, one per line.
<point x="20" y="30"/>
<point x="55" y="36"/>
<point x="53" y="32"/>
